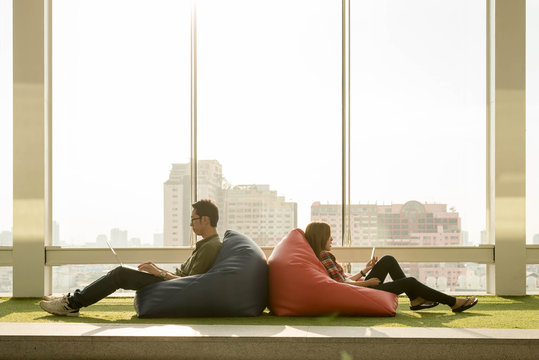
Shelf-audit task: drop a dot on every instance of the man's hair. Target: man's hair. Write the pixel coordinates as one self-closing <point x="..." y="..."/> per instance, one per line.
<point x="317" y="234"/>
<point x="206" y="207"/>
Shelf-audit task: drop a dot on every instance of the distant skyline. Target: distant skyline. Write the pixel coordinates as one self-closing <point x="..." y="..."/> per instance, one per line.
<point x="121" y="105"/>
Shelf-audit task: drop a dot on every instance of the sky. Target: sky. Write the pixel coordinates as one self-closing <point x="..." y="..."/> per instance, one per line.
<point x="269" y="105"/>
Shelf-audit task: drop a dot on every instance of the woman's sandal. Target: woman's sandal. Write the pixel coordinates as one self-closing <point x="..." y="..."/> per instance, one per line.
<point x="466" y="306"/>
<point x="423" y="306"/>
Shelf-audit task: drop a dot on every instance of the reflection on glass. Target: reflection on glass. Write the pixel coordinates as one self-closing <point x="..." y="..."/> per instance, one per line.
<point x="269" y="113"/>
<point x="121" y="117"/>
<point x="418" y="122"/>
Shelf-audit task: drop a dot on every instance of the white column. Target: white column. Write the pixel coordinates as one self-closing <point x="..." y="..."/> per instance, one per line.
<point x="31" y="142"/>
<point x="506" y="178"/>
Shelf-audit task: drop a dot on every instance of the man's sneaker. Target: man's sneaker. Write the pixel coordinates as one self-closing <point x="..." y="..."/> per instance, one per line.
<point x="59" y="306"/>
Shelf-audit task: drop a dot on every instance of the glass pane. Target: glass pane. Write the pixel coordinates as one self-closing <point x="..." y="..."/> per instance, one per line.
<point x="6" y="281"/>
<point x="269" y="112"/>
<point x="532" y="279"/>
<point x="451" y="278"/>
<point x="532" y="121"/>
<point x="6" y="123"/>
<point x="121" y="117"/>
<point x="418" y="122"/>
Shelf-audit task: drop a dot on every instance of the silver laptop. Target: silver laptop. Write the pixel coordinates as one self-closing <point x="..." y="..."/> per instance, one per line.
<point x="118" y="257"/>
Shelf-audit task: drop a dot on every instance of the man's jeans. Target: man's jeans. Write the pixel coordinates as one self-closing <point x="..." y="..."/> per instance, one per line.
<point x="119" y="278"/>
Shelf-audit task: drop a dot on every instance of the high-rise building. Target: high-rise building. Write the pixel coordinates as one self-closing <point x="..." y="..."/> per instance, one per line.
<point x="118" y="238"/>
<point x="259" y="213"/>
<point x="254" y="210"/>
<point x="101" y="240"/>
<point x="177" y="198"/>
<point x="412" y="223"/>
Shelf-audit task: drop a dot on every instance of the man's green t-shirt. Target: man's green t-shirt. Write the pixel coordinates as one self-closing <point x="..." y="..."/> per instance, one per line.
<point x="202" y="258"/>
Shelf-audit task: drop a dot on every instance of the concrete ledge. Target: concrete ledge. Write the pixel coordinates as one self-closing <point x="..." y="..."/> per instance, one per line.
<point x="117" y="341"/>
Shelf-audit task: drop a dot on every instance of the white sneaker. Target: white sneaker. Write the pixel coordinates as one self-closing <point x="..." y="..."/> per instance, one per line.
<point x="59" y="306"/>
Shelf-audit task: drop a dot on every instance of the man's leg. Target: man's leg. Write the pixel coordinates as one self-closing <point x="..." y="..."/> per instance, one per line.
<point x="119" y="278"/>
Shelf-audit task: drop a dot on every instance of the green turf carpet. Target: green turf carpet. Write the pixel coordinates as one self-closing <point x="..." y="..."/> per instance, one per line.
<point x="491" y="312"/>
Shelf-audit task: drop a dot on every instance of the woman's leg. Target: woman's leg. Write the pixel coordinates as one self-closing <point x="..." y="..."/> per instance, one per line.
<point x="119" y="278"/>
<point x="414" y="289"/>
<point x="386" y="265"/>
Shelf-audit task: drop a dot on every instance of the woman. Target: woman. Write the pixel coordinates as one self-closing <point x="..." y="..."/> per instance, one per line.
<point x="318" y="235"/>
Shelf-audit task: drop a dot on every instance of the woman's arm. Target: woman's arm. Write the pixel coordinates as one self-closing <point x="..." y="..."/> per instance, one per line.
<point x="357" y="276"/>
<point x="367" y="283"/>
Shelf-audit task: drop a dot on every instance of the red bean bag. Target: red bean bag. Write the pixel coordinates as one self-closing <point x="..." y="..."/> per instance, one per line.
<point x="299" y="285"/>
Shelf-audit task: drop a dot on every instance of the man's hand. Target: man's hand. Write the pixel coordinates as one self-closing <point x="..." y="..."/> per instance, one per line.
<point x="150" y="268"/>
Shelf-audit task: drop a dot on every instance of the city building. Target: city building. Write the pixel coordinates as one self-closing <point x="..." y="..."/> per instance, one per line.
<point x="254" y="210"/>
<point x="260" y="213"/>
<point x="118" y="238"/>
<point x="412" y="223"/>
<point x="177" y="199"/>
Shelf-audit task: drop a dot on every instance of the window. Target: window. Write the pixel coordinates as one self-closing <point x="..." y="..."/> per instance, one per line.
<point x="121" y="116"/>
<point x="532" y="122"/>
<point x="421" y="93"/>
<point x="532" y="139"/>
<point x="6" y="125"/>
<point x="269" y="107"/>
<point x="6" y="139"/>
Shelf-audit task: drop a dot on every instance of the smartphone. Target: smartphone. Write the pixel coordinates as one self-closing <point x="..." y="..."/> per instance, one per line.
<point x="372" y="252"/>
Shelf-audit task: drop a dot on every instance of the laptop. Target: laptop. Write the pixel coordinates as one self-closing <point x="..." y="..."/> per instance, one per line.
<point x="118" y="257"/>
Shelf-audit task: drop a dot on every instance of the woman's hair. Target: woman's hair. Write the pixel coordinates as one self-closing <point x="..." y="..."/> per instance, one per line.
<point x="317" y="234"/>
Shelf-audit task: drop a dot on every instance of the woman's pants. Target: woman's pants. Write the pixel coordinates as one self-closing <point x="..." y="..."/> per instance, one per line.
<point x="118" y="278"/>
<point x="402" y="284"/>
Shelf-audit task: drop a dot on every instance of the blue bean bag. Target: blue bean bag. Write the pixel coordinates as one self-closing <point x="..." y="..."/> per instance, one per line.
<point x="235" y="285"/>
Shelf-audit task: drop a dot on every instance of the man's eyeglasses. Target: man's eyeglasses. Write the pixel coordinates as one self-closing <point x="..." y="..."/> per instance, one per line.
<point x="193" y="219"/>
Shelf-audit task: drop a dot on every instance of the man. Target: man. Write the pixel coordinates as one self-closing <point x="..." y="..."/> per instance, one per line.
<point x="204" y="219"/>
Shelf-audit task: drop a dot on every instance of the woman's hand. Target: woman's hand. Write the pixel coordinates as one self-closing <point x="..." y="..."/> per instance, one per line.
<point x="370" y="264"/>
